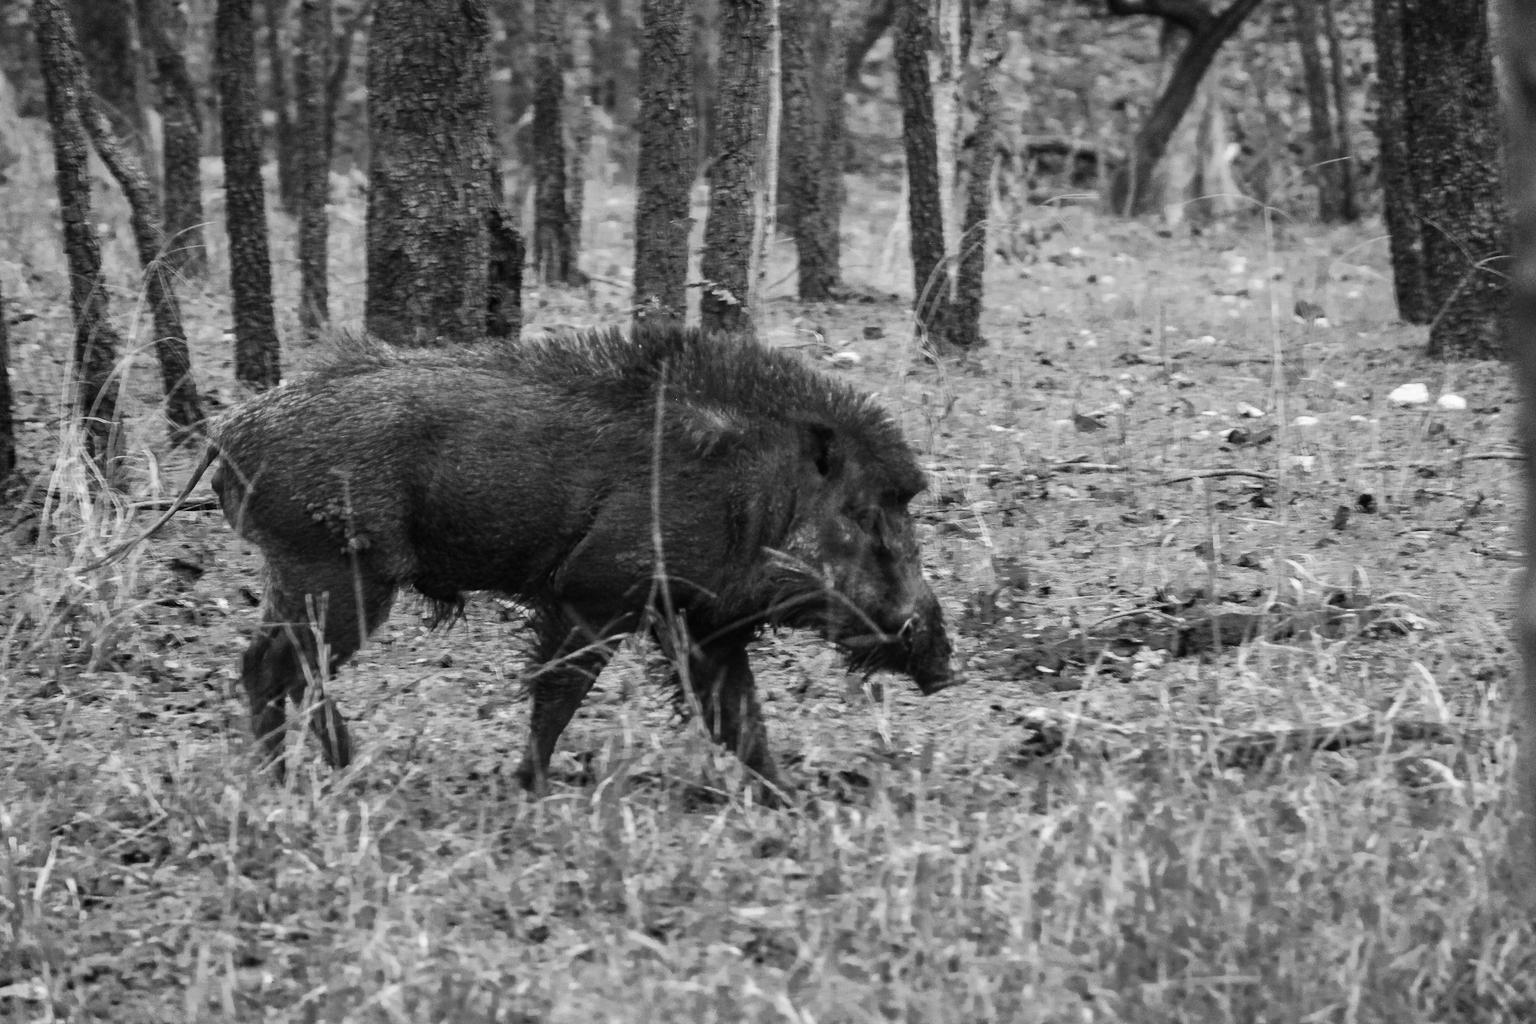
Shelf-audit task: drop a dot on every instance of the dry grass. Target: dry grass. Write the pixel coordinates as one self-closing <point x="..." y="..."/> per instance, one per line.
<point x="939" y="870"/>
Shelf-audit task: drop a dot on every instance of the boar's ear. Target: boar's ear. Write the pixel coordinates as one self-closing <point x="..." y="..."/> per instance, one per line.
<point x="818" y="444"/>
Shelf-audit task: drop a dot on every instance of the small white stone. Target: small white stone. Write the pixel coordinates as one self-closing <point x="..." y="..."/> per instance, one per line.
<point x="1415" y="393"/>
<point x="847" y="357"/>
<point x="1249" y="412"/>
<point x="1451" y="403"/>
<point x="1305" y="421"/>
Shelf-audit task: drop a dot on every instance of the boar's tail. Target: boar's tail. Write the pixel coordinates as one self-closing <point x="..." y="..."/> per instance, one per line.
<point x="210" y="452"/>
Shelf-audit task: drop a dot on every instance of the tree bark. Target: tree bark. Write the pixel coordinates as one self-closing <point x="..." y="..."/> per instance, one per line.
<point x="664" y="171"/>
<point x="311" y="66"/>
<point x="812" y="157"/>
<point x="163" y="26"/>
<point x="1349" y="207"/>
<point x="552" y="228"/>
<point x="182" y="406"/>
<point x="1517" y="30"/>
<point x="1131" y="191"/>
<point x="737" y="168"/>
<point x="965" y="325"/>
<point x="345" y="38"/>
<point x="283" y="140"/>
<point x="115" y="72"/>
<point x="1451" y="118"/>
<point x="1323" y="166"/>
<point x="930" y="276"/>
<point x="431" y="166"/>
<point x="96" y="340"/>
<point x="7" y="403"/>
<point x="1399" y="197"/>
<point x="258" y="362"/>
<point x="581" y="126"/>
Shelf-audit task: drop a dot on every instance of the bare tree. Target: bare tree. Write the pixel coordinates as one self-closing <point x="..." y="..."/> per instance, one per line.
<point x="1343" y="147"/>
<point x="735" y="201"/>
<point x="1517" y="29"/>
<point x="664" y="171"/>
<point x="1449" y="151"/>
<point x="7" y="404"/>
<point x="813" y="142"/>
<point x="311" y="63"/>
<point x="257" y="354"/>
<point x="163" y="26"/>
<point x="284" y="140"/>
<point x="430" y="197"/>
<point x="96" y="340"/>
<point x="1131" y="189"/>
<point x="183" y="407"/>
<point x="552" y="228"/>
<point x="930" y="274"/>
<point x="964" y="330"/>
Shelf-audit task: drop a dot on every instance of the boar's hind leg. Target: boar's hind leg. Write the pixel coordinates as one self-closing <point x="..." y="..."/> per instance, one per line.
<point x="569" y="658"/>
<point x="720" y="677"/>
<point x="283" y="654"/>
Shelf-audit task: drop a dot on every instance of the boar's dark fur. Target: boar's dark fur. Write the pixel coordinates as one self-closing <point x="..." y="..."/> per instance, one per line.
<point x="536" y="471"/>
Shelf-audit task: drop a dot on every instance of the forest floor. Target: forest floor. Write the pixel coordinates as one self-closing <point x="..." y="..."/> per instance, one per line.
<point x="1232" y="746"/>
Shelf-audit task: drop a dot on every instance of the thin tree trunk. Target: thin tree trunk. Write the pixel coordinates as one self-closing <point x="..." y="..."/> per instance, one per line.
<point x="1399" y="197"/>
<point x="736" y="176"/>
<point x="258" y="362"/>
<point x="581" y="124"/>
<point x="163" y="25"/>
<point x="965" y="326"/>
<point x="1323" y="166"/>
<point x="283" y="142"/>
<point x="1517" y="29"/>
<point x="948" y="65"/>
<point x="1349" y="202"/>
<point x="930" y="276"/>
<point x="431" y="167"/>
<point x="1131" y="189"/>
<point x="311" y="64"/>
<point x="96" y="340"/>
<point x="552" y="228"/>
<point x="183" y="407"/>
<point x="812" y="157"/>
<point x="345" y="39"/>
<point x="7" y="404"/>
<point x="1452" y="121"/>
<point x="766" y="195"/>
<point x="664" y="169"/>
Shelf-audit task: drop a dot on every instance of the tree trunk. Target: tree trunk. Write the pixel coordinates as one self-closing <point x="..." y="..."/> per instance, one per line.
<point x="183" y="407"/>
<point x="345" y="38"/>
<point x="581" y="126"/>
<point x="114" y="68"/>
<point x="283" y="141"/>
<point x="1349" y="206"/>
<point x="96" y="340"/>
<point x="664" y="171"/>
<point x="812" y="156"/>
<point x="930" y="276"/>
<point x="1451" y="116"/>
<point x="7" y="403"/>
<point x="1517" y="29"/>
<point x="1399" y="197"/>
<point x="965" y="325"/>
<point x="552" y="228"/>
<point x="163" y="26"/>
<point x="737" y="169"/>
<point x="429" y="195"/>
<point x="1131" y="190"/>
<point x="1323" y="165"/>
<point x="311" y="66"/>
<point x="948" y="64"/>
<point x="258" y="362"/>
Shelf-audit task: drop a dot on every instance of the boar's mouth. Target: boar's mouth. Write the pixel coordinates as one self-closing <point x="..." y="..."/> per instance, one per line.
<point x="915" y="650"/>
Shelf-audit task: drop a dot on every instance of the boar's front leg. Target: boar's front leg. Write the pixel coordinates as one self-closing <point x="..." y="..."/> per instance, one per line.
<point x="570" y="658"/>
<point x="720" y="677"/>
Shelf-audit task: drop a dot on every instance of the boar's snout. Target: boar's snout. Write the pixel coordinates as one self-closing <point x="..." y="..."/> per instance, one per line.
<point x="927" y="649"/>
